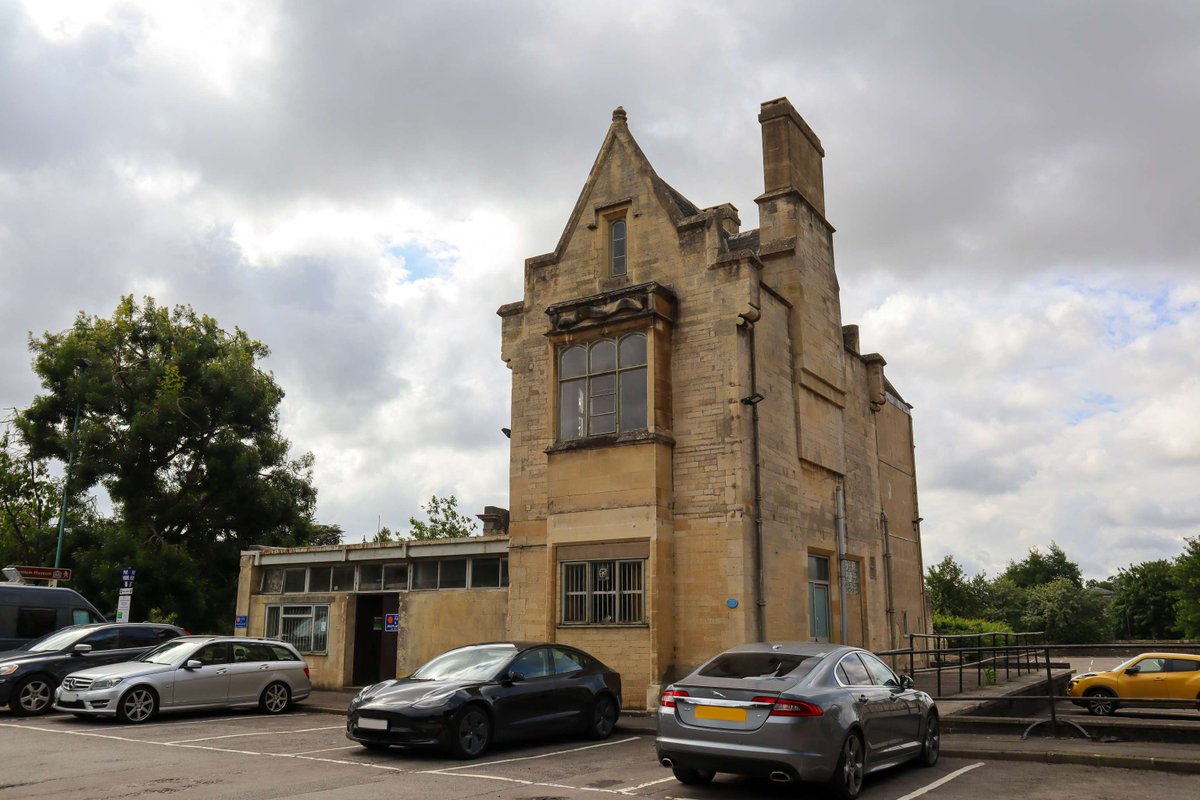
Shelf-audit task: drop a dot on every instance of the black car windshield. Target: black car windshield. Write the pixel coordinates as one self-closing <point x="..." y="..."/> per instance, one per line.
<point x="168" y="653"/>
<point x="477" y="663"/>
<point x="752" y="665"/>
<point x="59" y="640"/>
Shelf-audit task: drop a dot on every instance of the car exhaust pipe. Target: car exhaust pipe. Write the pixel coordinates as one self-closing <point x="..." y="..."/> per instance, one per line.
<point x="666" y="762"/>
<point x="779" y="776"/>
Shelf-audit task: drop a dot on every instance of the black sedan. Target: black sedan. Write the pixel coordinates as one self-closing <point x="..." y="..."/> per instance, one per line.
<point x="469" y="697"/>
<point x="29" y="676"/>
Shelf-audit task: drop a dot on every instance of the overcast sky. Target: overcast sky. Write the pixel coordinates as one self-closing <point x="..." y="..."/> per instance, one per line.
<point x="1015" y="186"/>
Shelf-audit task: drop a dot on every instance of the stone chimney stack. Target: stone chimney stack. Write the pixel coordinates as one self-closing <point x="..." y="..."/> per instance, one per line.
<point x="791" y="167"/>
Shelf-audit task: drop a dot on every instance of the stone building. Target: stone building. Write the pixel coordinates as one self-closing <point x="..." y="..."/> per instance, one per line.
<point x="700" y="455"/>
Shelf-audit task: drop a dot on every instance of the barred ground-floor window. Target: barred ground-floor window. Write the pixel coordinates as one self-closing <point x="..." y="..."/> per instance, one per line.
<point x="606" y="592"/>
<point x="304" y="627"/>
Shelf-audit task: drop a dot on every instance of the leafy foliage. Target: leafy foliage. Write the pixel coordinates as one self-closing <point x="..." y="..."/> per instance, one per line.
<point x="949" y="625"/>
<point x="1143" y="605"/>
<point x="1187" y="591"/>
<point x="445" y="522"/>
<point x="1038" y="568"/>
<point x="1067" y="613"/>
<point x="180" y="427"/>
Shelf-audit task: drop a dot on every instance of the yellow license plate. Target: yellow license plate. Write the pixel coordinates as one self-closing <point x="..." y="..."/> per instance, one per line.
<point x="722" y="713"/>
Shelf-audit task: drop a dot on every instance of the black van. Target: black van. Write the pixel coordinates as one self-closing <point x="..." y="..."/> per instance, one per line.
<point x="30" y="612"/>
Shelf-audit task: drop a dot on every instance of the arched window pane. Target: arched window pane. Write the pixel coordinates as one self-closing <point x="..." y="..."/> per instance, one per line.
<point x="633" y="350"/>
<point x="633" y="399"/>
<point x="574" y="362"/>
<point x="604" y="356"/>
<point x="572" y="402"/>
<point x="616" y="247"/>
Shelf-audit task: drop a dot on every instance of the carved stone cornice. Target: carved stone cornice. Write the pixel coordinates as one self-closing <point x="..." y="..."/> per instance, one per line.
<point x="629" y="302"/>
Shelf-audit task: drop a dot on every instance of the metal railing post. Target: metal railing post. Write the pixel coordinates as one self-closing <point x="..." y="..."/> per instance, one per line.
<point x="1050" y="694"/>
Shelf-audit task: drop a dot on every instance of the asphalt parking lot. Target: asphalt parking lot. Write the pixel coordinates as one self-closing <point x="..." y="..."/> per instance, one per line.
<point x="305" y="754"/>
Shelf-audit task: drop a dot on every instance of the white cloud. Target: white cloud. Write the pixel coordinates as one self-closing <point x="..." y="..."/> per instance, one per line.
<point x="358" y="186"/>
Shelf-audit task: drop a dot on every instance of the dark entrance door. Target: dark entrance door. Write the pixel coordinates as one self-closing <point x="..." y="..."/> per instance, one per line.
<point x="374" y="648"/>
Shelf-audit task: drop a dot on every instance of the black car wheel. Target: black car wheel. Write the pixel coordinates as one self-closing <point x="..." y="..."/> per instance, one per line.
<point x="275" y="698"/>
<point x="693" y="777"/>
<point x="847" y="778"/>
<point x="32" y="696"/>
<point x="932" y="745"/>
<point x="137" y="705"/>
<point x="604" y="718"/>
<point x="470" y="732"/>
<point x="1101" y="702"/>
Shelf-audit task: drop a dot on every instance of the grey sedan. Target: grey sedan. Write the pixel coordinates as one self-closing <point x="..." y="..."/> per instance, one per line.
<point x="187" y="673"/>
<point x="795" y="712"/>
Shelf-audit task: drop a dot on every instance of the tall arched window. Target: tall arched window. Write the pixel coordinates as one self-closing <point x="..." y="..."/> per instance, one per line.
<point x="616" y="247"/>
<point x="602" y="387"/>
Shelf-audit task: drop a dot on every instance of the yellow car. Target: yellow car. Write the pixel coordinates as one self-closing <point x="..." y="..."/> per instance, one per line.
<point x="1151" y="679"/>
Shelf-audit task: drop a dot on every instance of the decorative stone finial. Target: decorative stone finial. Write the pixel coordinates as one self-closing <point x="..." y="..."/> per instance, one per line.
<point x="619" y="114"/>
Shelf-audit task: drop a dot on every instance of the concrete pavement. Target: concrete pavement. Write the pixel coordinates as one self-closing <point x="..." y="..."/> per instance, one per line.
<point x="1101" y="751"/>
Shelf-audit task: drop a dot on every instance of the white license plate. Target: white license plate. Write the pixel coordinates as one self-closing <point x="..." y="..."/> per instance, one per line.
<point x="366" y="723"/>
<point x="68" y="697"/>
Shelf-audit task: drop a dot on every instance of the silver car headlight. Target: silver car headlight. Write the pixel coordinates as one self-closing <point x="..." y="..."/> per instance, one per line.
<point x="105" y="683"/>
<point x="9" y="669"/>
<point x="435" y="699"/>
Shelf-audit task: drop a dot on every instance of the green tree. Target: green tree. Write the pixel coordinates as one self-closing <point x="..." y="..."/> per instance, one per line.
<point x="1187" y="592"/>
<point x="1006" y="601"/>
<point x="444" y="520"/>
<point x="1068" y="613"/>
<point x="1039" y="568"/>
<point x="1143" y="603"/>
<point x="951" y="592"/>
<point x="29" y="500"/>
<point x="180" y="426"/>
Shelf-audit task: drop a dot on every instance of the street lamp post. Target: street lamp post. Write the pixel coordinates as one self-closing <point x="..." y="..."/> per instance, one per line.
<point x="80" y="365"/>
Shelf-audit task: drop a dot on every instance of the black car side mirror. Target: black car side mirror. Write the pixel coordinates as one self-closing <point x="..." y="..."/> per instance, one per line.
<point x="516" y="677"/>
<point x="1134" y="670"/>
<point x="81" y="649"/>
<point x="906" y="682"/>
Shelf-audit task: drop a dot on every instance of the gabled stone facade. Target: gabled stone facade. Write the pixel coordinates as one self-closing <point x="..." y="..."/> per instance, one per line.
<point x="700" y="456"/>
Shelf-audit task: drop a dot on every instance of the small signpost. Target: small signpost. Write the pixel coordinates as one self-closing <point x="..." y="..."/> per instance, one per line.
<point x="126" y="593"/>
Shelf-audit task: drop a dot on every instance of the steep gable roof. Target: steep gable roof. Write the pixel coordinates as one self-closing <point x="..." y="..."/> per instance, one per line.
<point x="677" y="206"/>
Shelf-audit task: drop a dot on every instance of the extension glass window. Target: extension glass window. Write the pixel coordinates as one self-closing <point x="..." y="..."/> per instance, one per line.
<point x="602" y="387"/>
<point x="304" y="627"/>
<point x="610" y="592"/>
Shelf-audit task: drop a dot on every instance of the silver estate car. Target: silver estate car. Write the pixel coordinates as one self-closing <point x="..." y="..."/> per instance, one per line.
<point x="795" y="712"/>
<point x="187" y="673"/>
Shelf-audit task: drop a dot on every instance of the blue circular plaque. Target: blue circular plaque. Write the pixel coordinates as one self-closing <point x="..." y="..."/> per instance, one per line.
<point x="732" y="602"/>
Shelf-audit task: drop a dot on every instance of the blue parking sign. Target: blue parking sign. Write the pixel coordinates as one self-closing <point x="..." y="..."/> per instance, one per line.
<point x="240" y="621"/>
<point x="391" y="623"/>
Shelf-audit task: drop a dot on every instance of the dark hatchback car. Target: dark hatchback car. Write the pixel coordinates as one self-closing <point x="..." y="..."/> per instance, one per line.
<point x="29" y="675"/>
<point x="468" y="698"/>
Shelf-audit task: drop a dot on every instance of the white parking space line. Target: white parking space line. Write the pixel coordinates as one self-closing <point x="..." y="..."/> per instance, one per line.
<point x="446" y="770"/>
<point x="631" y="789"/>
<point x="940" y="781"/>
<point x="257" y="733"/>
<point x="328" y="749"/>
<point x="193" y="744"/>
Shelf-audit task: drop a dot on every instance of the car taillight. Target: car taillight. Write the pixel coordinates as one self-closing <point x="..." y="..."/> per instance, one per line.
<point x="782" y="707"/>
<point x="306" y="672"/>
<point x="668" y="697"/>
<point x="185" y="632"/>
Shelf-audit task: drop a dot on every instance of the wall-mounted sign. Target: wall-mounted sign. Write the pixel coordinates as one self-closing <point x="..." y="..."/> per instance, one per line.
<point x="732" y="602"/>
<point x="391" y="623"/>
<point x="240" y="621"/>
